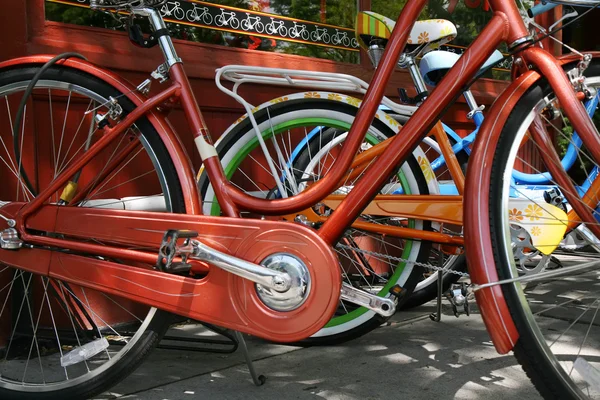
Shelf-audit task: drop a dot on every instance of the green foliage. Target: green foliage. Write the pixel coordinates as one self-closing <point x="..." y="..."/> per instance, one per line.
<point x="337" y="13"/>
<point x="79" y="16"/>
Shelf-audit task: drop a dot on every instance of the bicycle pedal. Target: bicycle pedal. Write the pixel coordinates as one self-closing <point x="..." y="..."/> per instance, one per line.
<point x="169" y="250"/>
<point x="398" y="292"/>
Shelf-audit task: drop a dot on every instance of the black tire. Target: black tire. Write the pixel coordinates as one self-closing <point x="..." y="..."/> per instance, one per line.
<point x="532" y="352"/>
<point x="160" y="321"/>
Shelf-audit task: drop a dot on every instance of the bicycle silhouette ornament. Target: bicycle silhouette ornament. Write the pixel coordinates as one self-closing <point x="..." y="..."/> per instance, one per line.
<point x="340" y="38"/>
<point x="118" y="214"/>
<point x="227" y="18"/>
<point x="173" y="8"/>
<point x="198" y="14"/>
<point x="252" y="23"/>
<point x="320" y="35"/>
<point x="276" y="28"/>
<point x="298" y="31"/>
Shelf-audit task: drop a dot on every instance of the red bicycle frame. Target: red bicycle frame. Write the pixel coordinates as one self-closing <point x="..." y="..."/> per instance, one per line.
<point x="506" y="25"/>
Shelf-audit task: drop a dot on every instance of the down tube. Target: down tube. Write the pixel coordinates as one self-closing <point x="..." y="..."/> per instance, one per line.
<point x="416" y="128"/>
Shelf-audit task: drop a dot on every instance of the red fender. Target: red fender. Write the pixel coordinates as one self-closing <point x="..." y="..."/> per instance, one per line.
<point x="182" y="162"/>
<point x="480" y="259"/>
<point x="482" y="267"/>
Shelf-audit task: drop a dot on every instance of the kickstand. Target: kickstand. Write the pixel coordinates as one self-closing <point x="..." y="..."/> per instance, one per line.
<point x="437" y="316"/>
<point x="258" y="380"/>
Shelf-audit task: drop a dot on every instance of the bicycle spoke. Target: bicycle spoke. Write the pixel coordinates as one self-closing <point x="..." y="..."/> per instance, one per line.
<point x="62" y="134"/>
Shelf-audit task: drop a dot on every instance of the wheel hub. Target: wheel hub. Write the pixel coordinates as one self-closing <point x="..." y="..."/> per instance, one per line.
<point x="300" y="283"/>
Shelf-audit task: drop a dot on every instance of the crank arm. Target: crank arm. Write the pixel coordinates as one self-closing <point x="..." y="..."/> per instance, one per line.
<point x="278" y="281"/>
<point x="382" y="306"/>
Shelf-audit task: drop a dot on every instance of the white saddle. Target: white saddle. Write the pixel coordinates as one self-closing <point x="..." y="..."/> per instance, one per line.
<point x="435" y="64"/>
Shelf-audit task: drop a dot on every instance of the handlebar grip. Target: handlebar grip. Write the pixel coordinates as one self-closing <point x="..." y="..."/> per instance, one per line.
<point x="540" y="9"/>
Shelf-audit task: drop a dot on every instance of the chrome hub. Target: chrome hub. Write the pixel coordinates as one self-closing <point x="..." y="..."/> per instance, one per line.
<point x="299" y="284"/>
<point x="9" y="239"/>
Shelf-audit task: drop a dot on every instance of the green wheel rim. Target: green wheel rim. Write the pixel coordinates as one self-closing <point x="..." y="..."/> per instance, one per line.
<point x="232" y="166"/>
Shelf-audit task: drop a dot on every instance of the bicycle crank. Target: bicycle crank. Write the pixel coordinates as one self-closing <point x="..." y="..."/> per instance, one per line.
<point x="283" y="285"/>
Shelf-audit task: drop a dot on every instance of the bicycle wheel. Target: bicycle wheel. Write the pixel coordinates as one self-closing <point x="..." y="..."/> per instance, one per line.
<point x="207" y="18"/>
<point x="283" y="124"/>
<point x="45" y="323"/>
<point x="179" y="13"/>
<point x="245" y="24"/>
<point x="259" y="27"/>
<point x="192" y="15"/>
<point x="304" y="34"/>
<point x="556" y="317"/>
<point x="234" y="22"/>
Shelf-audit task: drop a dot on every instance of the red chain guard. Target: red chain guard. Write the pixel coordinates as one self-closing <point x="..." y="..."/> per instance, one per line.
<point x="220" y="298"/>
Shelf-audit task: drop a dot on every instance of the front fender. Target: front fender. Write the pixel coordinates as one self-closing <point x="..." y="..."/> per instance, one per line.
<point x="182" y="162"/>
<point x="480" y="258"/>
<point x="482" y="267"/>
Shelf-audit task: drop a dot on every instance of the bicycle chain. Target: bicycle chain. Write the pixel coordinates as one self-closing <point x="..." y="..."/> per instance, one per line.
<point x="419" y="264"/>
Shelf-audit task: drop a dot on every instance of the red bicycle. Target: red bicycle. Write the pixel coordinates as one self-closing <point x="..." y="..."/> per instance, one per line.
<point x="109" y="217"/>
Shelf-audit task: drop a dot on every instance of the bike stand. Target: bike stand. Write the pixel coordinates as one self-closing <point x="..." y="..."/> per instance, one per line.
<point x="220" y="346"/>
<point x="258" y="380"/>
<point x="235" y="340"/>
<point x="437" y="316"/>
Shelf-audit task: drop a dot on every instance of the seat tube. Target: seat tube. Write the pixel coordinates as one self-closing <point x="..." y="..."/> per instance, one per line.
<point x="517" y="31"/>
<point x="164" y="41"/>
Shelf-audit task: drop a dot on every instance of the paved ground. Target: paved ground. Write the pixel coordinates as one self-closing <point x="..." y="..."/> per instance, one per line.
<point x="412" y="357"/>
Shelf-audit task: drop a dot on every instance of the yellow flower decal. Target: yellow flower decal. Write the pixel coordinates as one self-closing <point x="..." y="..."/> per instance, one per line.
<point x="423" y="37"/>
<point x="312" y="95"/>
<point x="409" y="41"/>
<point x="427" y="171"/>
<point x="446" y="31"/>
<point x="440" y="21"/>
<point x="536" y="231"/>
<point x="255" y="109"/>
<point x="533" y="212"/>
<point x="391" y="120"/>
<point x="435" y="45"/>
<point x="240" y="119"/>
<point x="279" y="100"/>
<point x="334" y="96"/>
<point x="352" y="101"/>
<point x="515" y="215"/>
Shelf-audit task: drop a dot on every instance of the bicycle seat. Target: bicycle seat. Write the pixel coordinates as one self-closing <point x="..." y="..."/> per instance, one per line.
<point x="372" y="26"/>
<point x="434" y="65"/>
